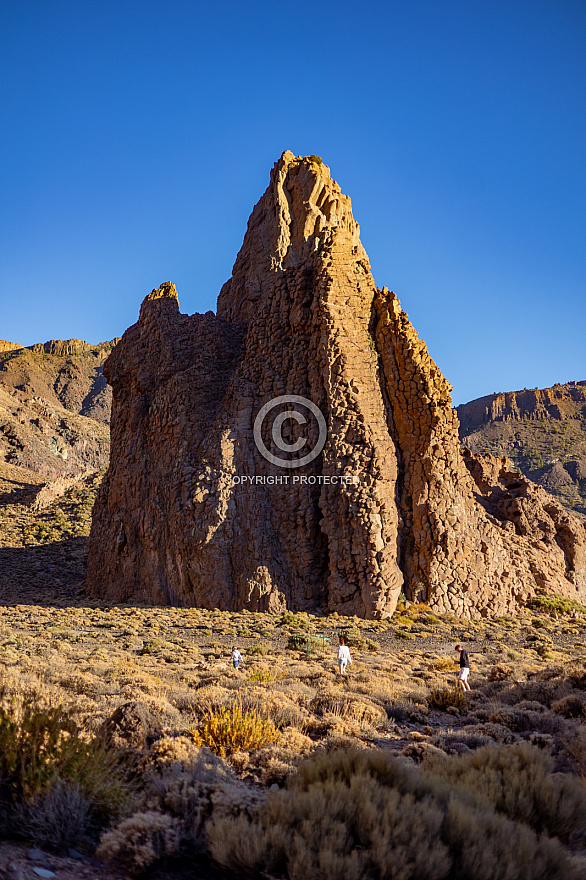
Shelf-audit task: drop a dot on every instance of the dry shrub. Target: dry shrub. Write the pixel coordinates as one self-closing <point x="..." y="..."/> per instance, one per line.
<point x="348" y="707"/>
<point x="575" y="750"/>
<point x="172" y="811"/>
<point x="517" y="780"/>
<point x="496" y="732"/>
<point x="538" y="691"/>
<point x="232" y="728"/>
<point x="209" y="698"/>
<point x="490" y="847"/>
<point x="375" y="684"/>
<point x="55" y="780"/>
<point x="56" y="819"/>
<point x="407" y="710"/>
<point x="41" y="744"/>
<point x="259" y="649"/>
<point x="274" y="706"/>
<point x="461" y="741"/>
<point x="442" y="664"/>
<point x="578" y="678"/>
<point x="170" y="750"/>
<point x="139" y="841"/>
<point x="335" y="829"/>
<point x="529" y="721"/>
<point x="442" y="698"/>
<point x="499" y="672"/>
<point x="278" y="760"/>
<point x="36" y="742"/>
<point x="572" y="706"/>
<point x="363" y="815"/>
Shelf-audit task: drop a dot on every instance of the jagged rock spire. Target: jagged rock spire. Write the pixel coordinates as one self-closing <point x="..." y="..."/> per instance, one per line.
<point x="204" y="504"/>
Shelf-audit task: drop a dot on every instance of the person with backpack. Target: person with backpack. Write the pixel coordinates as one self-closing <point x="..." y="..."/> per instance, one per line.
<point x="464" y="668"/>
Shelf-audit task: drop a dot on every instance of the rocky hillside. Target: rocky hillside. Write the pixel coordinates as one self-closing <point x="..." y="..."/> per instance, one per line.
<point x="54" y="407"/>
<point x="542" y="431"/>
<point x="299" y="449"/>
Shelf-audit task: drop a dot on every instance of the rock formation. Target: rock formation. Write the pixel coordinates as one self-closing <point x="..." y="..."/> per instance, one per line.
<point x="213" y="498"/>
<point x="536" y="404"/>
<point x="543" y="432"/>
<point x="54" y="407"/>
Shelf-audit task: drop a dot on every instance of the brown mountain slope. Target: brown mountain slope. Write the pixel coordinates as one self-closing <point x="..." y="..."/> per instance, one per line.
<point x="54" y="407"/>
<point x="542" y="431"/>
<point x="219" y="494"/>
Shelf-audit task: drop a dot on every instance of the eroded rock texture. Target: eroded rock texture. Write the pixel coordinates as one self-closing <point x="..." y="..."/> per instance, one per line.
<point x="54" y="407"/>
<point x="191" y="512"/>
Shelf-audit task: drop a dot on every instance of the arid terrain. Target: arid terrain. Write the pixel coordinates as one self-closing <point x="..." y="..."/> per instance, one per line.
<point x="129" y="743"/>
<point x="542" y="431"/>
<point x="54" y="407"/>
<point x="157" y="687"/>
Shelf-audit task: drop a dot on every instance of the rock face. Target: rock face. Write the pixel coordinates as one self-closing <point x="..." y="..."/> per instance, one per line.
<point x="543" y="431"/>
<point x="213" y="497"/>
<point x="54" y="407"/>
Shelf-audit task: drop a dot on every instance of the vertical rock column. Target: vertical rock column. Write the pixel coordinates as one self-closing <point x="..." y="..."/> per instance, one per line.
<point x="441" y="554"/>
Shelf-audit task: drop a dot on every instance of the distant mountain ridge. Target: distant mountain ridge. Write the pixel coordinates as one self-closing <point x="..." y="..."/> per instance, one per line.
<point x="542" y="431"/>
<point x="55" y="406"/>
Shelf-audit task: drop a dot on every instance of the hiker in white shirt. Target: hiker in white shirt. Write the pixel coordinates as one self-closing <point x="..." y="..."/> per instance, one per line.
<point x="343" y="656"/>
<point x="236" y="657"/>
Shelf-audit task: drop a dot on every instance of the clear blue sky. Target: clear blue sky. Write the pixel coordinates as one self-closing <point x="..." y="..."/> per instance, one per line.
<point x="137" y="136"/>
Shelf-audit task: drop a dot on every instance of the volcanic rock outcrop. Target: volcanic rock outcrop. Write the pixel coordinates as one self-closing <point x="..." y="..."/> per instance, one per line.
<point x="54" y="407"/>
<point x="543" y="432"/>
<point x="214" y="496"/>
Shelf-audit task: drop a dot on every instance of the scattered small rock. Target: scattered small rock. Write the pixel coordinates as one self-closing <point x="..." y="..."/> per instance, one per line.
<point x="36" y="855"/>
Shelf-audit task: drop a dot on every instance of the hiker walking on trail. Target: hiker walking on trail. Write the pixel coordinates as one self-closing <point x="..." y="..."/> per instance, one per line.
<point x="464" y="668"/>
<point x="343" y="656"/>
<point x="236" y="657"/>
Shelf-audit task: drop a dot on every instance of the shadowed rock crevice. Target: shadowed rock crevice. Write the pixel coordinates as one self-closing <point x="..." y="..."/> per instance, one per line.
<point x="192" y="513"/>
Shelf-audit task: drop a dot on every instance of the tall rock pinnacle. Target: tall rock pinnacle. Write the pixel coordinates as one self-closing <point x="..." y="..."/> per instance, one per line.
<point x="221" y="494"/>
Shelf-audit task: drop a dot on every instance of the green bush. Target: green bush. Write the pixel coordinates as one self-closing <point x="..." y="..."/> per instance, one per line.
<point x="401" y="634"/>
<point x="316" y="159"/>
<point x="352" y="636"/>
<point x="297" y="642"/>
<point x="354" y="639"/>
<point x="555" y="605"/>
<point x="296" y="621"/>
<point x="302" y="642"/>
